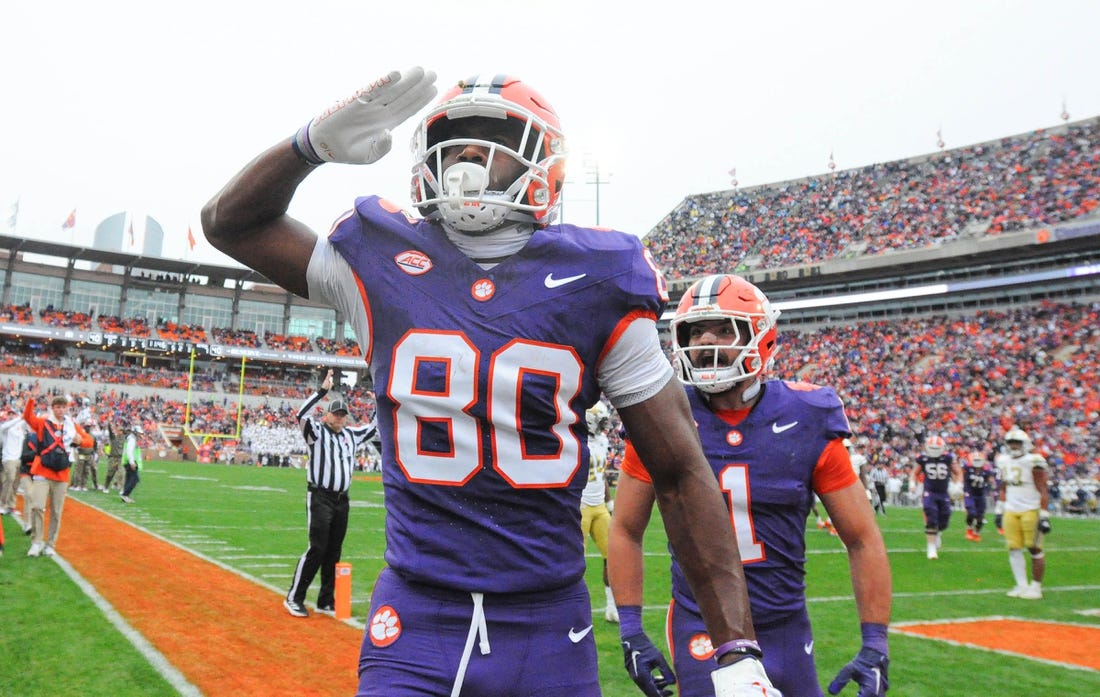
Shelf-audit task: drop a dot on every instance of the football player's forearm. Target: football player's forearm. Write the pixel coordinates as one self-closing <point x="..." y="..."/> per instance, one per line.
<point x="259" y="193"/>
<point x="699" y="531"/>
<point x="625" y="560"/>
<point x="871" y="581"/>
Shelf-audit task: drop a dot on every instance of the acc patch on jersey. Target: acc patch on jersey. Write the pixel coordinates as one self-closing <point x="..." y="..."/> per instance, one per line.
<point x="701" y="647"/>
<point x="385" y="627"/>
<point x="413" y="262"/>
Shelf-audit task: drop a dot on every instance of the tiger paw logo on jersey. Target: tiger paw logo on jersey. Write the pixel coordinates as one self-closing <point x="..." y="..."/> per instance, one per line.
<point x="385" y="627"/>
<point x="483" y="289"/>
<point x="700" y="647"/>
<point x="734" y="438"/>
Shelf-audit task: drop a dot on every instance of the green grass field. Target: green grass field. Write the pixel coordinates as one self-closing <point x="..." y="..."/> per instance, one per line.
<point x="253" y="521"/>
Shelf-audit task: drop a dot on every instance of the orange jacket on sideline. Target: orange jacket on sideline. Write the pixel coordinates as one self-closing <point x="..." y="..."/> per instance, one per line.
<point x="38" y="424"/>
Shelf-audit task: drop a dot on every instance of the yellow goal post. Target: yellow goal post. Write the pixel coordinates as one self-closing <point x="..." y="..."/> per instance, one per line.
<point x="187" y="411"/>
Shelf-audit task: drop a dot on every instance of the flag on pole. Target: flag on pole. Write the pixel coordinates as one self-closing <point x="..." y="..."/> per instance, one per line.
<point x="190" y="237"/>
<point x="70" y="222"/>
<point x="130" y="230"/>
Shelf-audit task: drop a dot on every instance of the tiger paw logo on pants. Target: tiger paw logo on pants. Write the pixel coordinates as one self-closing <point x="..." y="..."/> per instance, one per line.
<point x="701" y="647"/>
<point x="385" y="627"/>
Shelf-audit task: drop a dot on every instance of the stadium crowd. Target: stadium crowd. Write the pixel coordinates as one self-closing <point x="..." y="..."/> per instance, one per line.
<point x="1040" y="178"/>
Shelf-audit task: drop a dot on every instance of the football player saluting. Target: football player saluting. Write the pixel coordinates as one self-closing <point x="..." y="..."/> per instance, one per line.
<point x="468" y="320"/>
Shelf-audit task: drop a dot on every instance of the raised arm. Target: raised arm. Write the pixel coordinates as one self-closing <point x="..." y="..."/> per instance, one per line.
<point x="248" y="219"/>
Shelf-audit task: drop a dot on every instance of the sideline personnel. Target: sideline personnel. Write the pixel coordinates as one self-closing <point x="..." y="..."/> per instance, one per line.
<point x="332" y="446"/>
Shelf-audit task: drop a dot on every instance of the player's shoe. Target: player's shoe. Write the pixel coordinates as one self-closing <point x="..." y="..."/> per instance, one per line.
<point x="821" y="524"/>
<point x="296" y="609"/>
<point x="1034" y="591"/>
<point x="48" y="551"/>
<point x="36" y="549"/>
<point x="327" y="610"/>
<point x="1016" y="591"/>
<point x="1001" y="531"/>
<point x="970" y="534"/>
<point x="932" y="553"/>
<point x="977" y="537"/>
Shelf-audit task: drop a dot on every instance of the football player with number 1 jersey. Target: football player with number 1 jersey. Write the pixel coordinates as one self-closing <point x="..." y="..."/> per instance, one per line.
<point x="771" y="445"/>
<point x="488" y="331"/>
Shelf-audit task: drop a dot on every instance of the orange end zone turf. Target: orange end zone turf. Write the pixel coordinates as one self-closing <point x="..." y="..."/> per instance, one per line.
<point x="1064" y="644"/>
<point x="226" y="634"/>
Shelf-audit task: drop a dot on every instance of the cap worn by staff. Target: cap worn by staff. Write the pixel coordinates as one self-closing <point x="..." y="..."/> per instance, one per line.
<point x="336" y="406"/>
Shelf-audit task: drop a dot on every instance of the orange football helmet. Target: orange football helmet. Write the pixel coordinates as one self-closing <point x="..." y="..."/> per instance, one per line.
<point x="934" y="446"/>
<point x="461" y="196"/>
<point x="752" y="319"/>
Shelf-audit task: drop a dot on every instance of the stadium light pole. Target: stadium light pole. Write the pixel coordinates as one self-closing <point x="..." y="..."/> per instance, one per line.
<point x="593" y="169"/>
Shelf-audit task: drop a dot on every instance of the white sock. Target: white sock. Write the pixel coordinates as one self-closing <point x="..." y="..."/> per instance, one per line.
<point x="609" y="596"/>
<point x="1018" y="565"/>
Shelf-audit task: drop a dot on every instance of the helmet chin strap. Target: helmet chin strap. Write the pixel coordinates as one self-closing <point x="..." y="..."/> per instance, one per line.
<point x="751" y="391"/>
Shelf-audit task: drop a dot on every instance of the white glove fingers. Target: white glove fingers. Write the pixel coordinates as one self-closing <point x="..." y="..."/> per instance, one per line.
<point x="410" y="101"/>
<point x="395" y="85"/>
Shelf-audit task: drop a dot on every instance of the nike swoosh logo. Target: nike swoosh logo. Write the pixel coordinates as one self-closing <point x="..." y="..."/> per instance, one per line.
<point x="552" y="282"/>
<point x="809" y="648"/>
<point x="776" y="428"/>
<point x="878" y="679"/>
<point x="634" y="661"/>
<point x="575" y="637"/>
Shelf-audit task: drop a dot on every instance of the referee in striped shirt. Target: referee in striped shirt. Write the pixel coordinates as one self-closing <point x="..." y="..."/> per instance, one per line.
<point x="332" y="444"/>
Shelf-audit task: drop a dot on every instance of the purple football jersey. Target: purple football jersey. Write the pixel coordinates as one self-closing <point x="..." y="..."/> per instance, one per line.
<point x="765" y="467"/>
<point x="482" y="379"/>
<point x="977" y="477"/>
<point x="937" y="472"/>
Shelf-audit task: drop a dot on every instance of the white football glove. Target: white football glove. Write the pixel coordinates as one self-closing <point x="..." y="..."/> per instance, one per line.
<point x="356" y="130"/>
<point x="745" y="678"/>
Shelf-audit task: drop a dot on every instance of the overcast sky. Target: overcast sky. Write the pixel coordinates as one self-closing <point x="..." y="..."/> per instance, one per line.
<point x="150" y="107"/>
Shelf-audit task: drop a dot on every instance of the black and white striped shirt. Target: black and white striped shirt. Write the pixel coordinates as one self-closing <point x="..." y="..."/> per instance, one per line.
<point x="331" y="454"/>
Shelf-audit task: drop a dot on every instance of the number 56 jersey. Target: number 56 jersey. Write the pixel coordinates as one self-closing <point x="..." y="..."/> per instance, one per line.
<point x="482" y="379"/>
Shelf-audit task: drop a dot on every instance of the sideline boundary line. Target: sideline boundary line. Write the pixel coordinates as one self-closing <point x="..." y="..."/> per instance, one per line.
<point x="156" y="659"/>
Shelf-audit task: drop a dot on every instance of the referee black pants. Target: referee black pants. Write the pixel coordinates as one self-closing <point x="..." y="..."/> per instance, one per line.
<point x="327" y="512"/>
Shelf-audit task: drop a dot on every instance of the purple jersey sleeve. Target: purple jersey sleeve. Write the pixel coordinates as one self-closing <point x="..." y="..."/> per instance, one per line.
<point x="765" y="465"/>
<point x="482" y="379"/>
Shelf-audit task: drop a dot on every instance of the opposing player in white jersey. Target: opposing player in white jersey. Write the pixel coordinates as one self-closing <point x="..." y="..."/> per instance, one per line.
<point x="1022" y="510"/>
<point x="595" y="513"/>
<point x="488" y="331"/>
